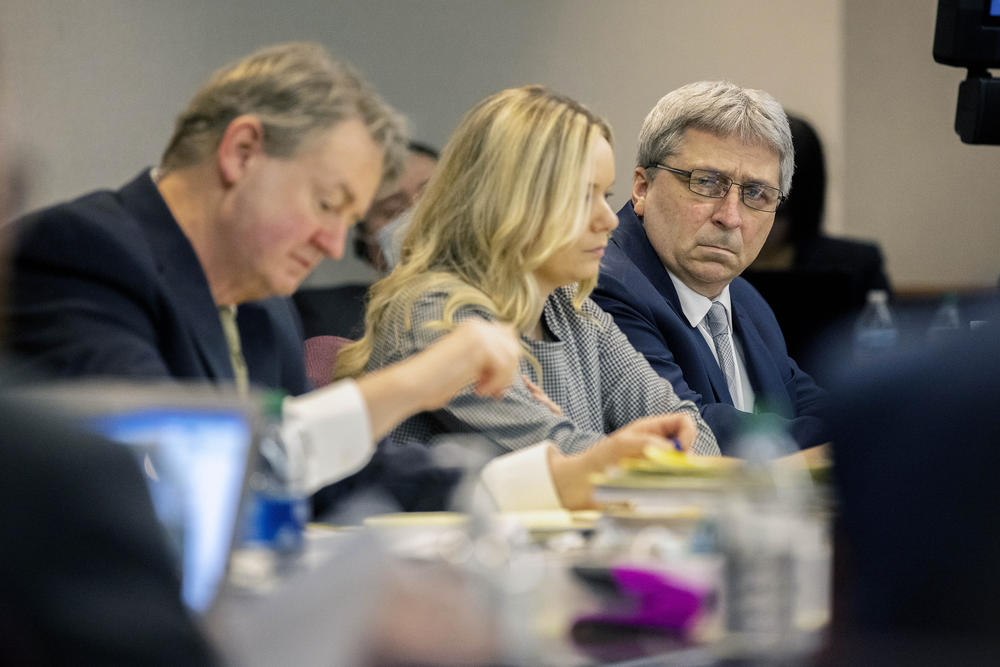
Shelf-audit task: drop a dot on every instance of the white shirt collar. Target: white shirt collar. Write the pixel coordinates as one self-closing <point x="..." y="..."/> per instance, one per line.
<point x="695" y="306"/>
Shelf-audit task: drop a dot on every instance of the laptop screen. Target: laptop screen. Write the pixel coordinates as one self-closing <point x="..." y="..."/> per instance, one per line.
<point x="194" y="461"/>
<point x="194" y="446"/>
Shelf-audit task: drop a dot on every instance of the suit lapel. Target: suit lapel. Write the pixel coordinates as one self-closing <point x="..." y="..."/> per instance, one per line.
<point x="183" y="278"/>
<point x="764" y="376"/>
<point x="631" y="238"/>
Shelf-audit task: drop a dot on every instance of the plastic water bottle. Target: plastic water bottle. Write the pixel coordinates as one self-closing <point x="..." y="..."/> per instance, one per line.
<point x="946" y="322"/>
<point x="772" y="544"/>
<point x="278" y="508"/>
<point x="875" y="331"/>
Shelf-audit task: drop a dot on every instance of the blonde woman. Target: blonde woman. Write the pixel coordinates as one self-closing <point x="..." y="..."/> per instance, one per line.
<point x="512" y="227"/>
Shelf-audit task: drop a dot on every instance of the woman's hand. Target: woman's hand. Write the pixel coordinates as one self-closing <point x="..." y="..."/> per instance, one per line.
<point x="571" y="474"/>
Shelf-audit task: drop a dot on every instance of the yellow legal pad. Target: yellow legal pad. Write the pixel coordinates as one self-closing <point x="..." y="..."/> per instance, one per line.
<point x="657" y="460"/>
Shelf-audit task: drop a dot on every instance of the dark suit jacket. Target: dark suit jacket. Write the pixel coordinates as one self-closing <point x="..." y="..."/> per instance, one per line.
<point x="87" y="577"/>
<point x="636" y="290"/>
<point x="109" y="285"/>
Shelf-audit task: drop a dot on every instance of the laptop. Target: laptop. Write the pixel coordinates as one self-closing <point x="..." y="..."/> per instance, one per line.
<point x="195" y="447"/>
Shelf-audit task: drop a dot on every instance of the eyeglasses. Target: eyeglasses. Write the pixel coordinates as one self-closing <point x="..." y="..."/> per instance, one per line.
<point x="713" y="184"/>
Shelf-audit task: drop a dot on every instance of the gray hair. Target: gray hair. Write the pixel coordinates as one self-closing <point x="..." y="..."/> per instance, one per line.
<point x="295" y="89"/>
<point x="725" y="110"/>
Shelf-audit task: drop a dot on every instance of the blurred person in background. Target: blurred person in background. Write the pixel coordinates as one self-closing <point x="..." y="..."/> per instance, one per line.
<point x="384" y="216"/>
<point x="797" y="239"/>
<point x="811" y="280"/>
<point x="511" y="228"/>
<point x="714" y="162"/>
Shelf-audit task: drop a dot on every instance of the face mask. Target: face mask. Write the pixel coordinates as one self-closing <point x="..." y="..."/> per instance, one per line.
<point x="390" y="237"/>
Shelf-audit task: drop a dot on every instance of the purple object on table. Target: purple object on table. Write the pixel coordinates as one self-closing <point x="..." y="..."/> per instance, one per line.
<point x="658" y="601"/>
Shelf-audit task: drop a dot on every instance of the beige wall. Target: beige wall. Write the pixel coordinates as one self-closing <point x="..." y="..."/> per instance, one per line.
<point x="93" y="88"/>
<point x="933" y="202"/>
<point x="97" y="83"/>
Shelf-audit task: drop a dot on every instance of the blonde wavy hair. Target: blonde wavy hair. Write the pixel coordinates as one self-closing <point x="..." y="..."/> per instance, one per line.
<point x="511" y="190"/>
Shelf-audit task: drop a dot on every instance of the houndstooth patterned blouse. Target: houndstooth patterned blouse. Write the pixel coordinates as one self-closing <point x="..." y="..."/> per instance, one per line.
<point x="588" y="368"/>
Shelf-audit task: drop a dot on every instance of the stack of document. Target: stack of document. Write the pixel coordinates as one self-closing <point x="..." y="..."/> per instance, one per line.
<point x="665" y="483"/>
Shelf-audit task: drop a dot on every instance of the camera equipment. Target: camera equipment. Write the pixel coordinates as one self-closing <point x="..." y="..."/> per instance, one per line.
<point x="967" y="35"/>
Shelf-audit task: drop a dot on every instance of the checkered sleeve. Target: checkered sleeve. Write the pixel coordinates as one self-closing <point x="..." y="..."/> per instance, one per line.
<point x="631" y="389"/>
<point x="511" y="423"/>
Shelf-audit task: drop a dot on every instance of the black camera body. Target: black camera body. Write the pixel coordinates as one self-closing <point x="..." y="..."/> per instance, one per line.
<point x="977" y="119"/>
<point x="967" y="35"/>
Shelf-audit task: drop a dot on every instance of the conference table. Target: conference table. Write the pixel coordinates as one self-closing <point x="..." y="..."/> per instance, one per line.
<point x="677" y="586"/>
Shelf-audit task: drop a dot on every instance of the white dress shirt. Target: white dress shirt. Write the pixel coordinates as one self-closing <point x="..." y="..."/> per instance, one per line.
<point x="695" y="307"/>
<point x="333" y="427"/>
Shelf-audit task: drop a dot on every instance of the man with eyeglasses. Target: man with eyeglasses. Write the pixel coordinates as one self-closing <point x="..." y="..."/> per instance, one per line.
<point x="715" y="160"/>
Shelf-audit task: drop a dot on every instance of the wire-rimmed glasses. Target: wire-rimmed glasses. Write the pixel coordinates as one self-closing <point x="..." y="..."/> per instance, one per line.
<point x="712" y="184"/>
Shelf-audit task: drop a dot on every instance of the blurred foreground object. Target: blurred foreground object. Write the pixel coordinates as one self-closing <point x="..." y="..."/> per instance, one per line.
<point x="753" y="530"/>
<point x="87" y="576"/>
<point x="916" y="455"/>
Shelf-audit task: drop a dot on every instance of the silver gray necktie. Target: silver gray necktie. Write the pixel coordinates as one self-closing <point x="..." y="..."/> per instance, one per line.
<point x="718" y="326"/>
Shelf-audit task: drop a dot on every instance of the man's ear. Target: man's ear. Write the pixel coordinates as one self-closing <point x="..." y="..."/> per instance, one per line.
<point x="640" y="187"/>
<point x="241" y="142"/>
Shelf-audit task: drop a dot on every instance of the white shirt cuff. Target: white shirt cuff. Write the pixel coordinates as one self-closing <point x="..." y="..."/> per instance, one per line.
<point x="334" y="430"/>
<point x="521" y="480"/>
